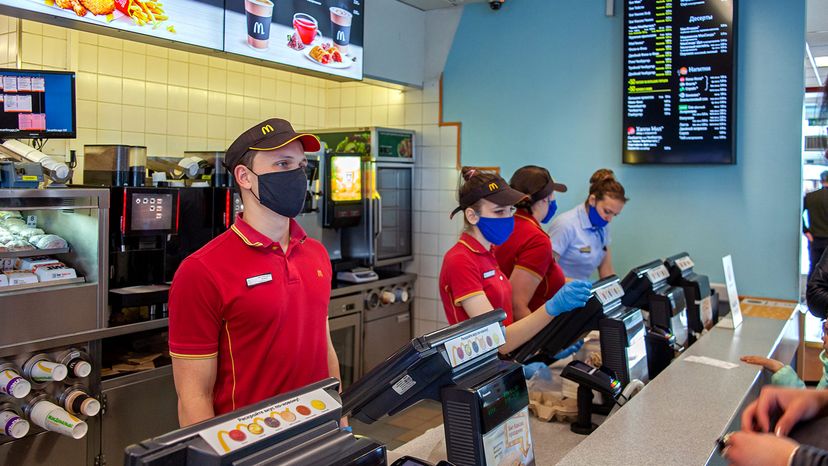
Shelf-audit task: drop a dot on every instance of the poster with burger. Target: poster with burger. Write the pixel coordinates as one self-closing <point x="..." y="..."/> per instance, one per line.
<point x="319" y="35"/>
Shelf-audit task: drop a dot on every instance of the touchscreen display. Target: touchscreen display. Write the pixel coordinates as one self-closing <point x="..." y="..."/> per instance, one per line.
<point x="151" y="211"/>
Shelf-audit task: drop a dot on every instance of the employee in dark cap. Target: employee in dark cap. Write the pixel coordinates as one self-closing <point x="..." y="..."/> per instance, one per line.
<point x="471" y="282"/>
<point x="249" y="311"/>
<point x="526" y="257"/>
<point x="815" y="206"/>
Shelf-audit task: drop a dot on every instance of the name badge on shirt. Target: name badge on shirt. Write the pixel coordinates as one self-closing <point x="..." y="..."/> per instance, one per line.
<point x="585" y="250"/>
<point x="259" y="279"/>
<point x="489" y="274"/>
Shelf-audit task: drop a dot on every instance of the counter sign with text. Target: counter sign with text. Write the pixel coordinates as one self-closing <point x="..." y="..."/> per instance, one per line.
<point x="679" y="81"/>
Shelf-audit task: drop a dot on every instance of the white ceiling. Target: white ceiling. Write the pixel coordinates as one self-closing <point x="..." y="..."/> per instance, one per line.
<point x="435" y="4"/>
<point x="817" y="38"/>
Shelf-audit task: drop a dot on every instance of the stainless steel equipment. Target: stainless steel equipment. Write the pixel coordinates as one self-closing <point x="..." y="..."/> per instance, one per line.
<point x="311" y="218"/>
<point x="50" y="330"/>
<point x="387" y="319"/>
<point x="345" y="321"/>
<point x="384" y="235"/>
<point x="380" y="314"/>
<point x="114" y="165"/>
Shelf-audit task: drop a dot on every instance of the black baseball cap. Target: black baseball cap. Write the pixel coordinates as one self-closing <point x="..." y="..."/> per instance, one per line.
<point x="490" y="187"/>
<point x="536" y="182"/>
<point x="270" y="134"/>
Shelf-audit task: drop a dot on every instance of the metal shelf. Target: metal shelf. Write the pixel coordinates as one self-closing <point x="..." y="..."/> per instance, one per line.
<point x="33" y="253"/>
<point x="40" y="285"/>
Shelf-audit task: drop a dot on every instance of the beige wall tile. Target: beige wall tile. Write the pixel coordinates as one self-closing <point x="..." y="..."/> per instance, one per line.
<point x="110" y="61"/>
<point x="178" y="73"/>
<point x="109" y="89"/>
<point x="156" y="95"/>
<point x="197" y="101"/>
<point x="134" y="92"/>
<point x="157" y="69"/>
<point x="133" y="119"/>
<point x="199" y="76"/>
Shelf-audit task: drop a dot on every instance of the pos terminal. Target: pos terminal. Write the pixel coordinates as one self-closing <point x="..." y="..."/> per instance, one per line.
<point x="485" y="400"/>
<point x="297" y="428"/>
<point x="665" y="308"/>
<point x="622" y="333"/>
<point x="702" y="302"/>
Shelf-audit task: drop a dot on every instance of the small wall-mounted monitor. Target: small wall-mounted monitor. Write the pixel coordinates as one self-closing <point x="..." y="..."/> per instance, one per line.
<point x="37" y="104"/>
<point x="346" y="178"/>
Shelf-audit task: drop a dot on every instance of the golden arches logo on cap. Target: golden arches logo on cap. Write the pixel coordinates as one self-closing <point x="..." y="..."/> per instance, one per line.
<point x="267" y="129"/>
<point x="493" y="187"/>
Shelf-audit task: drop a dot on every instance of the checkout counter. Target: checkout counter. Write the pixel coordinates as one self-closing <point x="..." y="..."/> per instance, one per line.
<point x="676" y="418"/>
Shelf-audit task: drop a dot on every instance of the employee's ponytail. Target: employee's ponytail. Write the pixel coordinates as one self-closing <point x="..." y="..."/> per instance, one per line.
<point x="603" y="184"/>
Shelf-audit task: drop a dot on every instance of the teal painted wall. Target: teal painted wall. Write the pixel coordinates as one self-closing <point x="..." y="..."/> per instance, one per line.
<point x="540" y="82"/>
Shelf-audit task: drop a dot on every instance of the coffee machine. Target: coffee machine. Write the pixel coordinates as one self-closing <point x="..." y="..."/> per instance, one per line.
<point x="191" y="176"/>
<point x="141" y="220"/>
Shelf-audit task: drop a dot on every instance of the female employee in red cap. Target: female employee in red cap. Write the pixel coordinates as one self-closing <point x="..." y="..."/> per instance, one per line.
<point x="526" y="257"/>
<point x="471" y="283"/>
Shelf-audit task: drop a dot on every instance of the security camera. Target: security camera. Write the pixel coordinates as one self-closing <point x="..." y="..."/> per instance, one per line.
<point x="496" y="4"/>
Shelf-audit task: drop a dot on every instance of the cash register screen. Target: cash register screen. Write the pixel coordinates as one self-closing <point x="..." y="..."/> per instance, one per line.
<point x="507" y="397"/>
<point x="151" y="212"/>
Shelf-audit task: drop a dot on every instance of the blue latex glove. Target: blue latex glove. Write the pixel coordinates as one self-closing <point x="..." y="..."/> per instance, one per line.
<point x="572" y="349"/>
<point x="537" y="368"/>
<point x="571" y="296"/>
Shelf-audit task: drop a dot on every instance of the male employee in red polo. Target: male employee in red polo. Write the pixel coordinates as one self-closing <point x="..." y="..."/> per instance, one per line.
<point x="249" y="311"/>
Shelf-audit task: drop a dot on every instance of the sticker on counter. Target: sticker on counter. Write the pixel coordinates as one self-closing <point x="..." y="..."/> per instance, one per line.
<point x="250" y="428"/>
<point x="685" y="263"/>
<point x="510" y="443"/>
<point x="404" y="384"/>
<point x="711" y="362"/>
<point x="658" y="274"/>
<point x="471" y="345"/>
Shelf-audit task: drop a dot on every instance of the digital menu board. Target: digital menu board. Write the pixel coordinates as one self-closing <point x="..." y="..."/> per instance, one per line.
<point x="324" y="36"/>
<point x="192" y="22"/>
<point x="679" y="81"/>
<point x="318" y="35"/>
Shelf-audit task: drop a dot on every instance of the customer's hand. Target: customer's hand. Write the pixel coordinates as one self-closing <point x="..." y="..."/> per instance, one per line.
<point x="754" y="449"/>
<point x="810" y="237"/>
<point x="790" y="405"/>
<point x="770" y="364"/>
<point x="571" y="296"/>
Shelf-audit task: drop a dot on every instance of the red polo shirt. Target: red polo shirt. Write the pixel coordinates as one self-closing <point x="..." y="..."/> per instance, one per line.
<point x="469" y="270"/>
<point x="530" y="249"/>
<point x="262" y="312"/>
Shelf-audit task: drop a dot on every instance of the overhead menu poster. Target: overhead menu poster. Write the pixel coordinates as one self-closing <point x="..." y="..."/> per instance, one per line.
<point x="194" y="22"/>
<point x="319" y="35"/>
<point x="679" y="81"/>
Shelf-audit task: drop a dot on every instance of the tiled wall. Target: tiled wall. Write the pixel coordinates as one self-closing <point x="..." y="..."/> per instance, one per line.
<point x="8" y="42"/>
<point x="173" y="101"/>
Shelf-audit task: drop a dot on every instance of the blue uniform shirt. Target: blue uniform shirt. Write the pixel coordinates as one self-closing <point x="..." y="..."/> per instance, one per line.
<point x="581" y="246"/>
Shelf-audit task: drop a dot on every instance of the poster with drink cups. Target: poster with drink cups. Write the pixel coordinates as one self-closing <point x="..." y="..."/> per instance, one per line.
<point x="319" y="35"/>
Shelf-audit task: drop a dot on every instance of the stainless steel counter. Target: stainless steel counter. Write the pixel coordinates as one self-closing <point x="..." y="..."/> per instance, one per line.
<point x="676" y="418"/>
<point x="344" y="288"/>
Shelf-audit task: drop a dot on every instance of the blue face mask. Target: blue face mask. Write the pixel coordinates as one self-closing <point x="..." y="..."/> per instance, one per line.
<point x="496" y="230"/>
<point x="596" y="219"/>
<point x="553" y="207"/>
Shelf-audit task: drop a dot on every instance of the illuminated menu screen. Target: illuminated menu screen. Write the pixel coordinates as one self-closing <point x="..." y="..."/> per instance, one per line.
<point x="679" y="81"/>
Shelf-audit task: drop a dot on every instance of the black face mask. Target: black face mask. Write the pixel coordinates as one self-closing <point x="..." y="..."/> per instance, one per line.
<point x="283" y="192"/>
